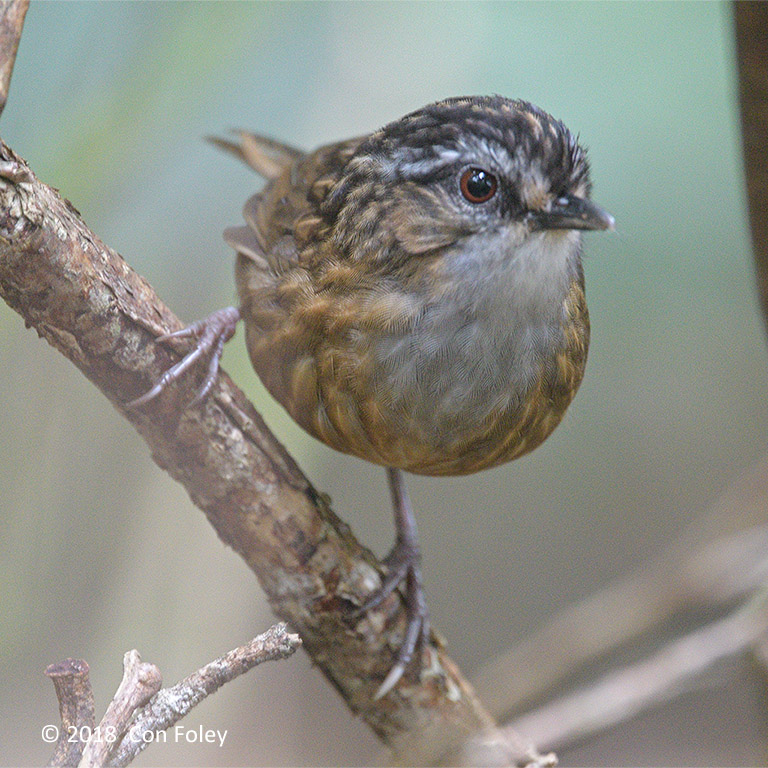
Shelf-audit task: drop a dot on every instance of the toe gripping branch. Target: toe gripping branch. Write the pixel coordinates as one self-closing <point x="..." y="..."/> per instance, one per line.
<point x="210" y="334"/>
<point x="403" y="567"/>
<point x="403" y="562"/>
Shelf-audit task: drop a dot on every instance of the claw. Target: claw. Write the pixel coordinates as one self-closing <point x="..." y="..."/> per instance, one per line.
<point x="211" y="334"/>
<point x="402" y="567"/>
<point x="416" y="632"/>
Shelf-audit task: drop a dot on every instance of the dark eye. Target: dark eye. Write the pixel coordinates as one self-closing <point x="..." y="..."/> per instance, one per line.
<point x="478" y="185"/>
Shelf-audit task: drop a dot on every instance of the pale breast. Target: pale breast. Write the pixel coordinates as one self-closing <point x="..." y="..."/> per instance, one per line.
<point x="458" y="400"/>
<point x="427" y="391"/>
<point x="465" y="362"/>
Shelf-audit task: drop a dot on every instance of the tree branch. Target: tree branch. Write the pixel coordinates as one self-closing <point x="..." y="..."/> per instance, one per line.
<point x="751" y="20"/>
<point x="73" y="690"/>
<point x="169" y="705"/>
<point x="720" y="560"/>
<point x="12" y="13"/>
<point x="90" y="305"/>
<point x="622" y="693"/>
<point x="141" y="681"/>
<point x="140" y="709"/>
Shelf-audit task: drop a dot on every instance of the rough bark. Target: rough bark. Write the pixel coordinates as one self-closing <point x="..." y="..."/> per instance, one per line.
<point x="89" y="304"/>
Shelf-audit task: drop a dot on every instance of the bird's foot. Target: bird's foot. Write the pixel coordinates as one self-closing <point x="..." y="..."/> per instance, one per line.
<point x="210" y="335"/>
<point x="403" y="567"/>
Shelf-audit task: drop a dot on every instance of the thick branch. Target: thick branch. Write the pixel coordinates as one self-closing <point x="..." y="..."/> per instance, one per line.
<point x="91" y="306"/>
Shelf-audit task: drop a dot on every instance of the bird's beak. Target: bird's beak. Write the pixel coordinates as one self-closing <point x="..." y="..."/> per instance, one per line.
<point x="572" y="212"/>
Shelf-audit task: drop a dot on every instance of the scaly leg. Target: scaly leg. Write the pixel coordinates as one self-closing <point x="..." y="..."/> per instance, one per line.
<point x="403" y="565"/>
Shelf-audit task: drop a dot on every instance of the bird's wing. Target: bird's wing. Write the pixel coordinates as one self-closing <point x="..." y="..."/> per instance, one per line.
<point x="280" y="218"/>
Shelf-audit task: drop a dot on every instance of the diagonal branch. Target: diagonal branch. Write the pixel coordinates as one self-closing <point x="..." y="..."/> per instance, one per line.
<point x="720" y="560"/>
<point x="90" y="305"/>
<point x="169" y="705"/>
<point x="621" y="694"/>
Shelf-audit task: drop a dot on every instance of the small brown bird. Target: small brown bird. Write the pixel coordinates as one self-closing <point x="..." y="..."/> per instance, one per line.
<point x="415" y="297"/>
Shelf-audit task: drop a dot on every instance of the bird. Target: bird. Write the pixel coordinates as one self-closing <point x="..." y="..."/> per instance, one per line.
<point x="414" y="297"/>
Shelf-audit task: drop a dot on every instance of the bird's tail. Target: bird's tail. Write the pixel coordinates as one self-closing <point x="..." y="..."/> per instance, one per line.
<point x="269" y="158"/>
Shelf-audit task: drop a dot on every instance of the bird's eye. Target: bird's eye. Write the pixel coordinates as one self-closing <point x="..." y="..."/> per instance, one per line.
<point x="478" y="185"/>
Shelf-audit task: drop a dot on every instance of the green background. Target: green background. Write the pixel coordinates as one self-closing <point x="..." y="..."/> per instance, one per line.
<point x="101" y="552"/>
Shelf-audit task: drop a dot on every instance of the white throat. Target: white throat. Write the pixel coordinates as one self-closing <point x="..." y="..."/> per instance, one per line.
<point x="516" y="279"/>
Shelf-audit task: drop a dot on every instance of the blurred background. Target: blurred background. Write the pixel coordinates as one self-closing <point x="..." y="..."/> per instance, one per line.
<point x="101" y="552"/>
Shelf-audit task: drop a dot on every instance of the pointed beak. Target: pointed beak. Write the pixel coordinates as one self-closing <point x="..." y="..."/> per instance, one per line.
<point x="571" y="212"/>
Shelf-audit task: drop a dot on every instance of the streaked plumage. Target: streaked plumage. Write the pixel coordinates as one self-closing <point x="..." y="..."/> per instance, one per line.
<point x="396" y="326"/>
<point x="415" y="297"/>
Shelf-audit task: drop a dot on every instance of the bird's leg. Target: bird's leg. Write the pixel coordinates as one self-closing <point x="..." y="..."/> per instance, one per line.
<point x="403" y="565"/>
<point x="210" y="334"/>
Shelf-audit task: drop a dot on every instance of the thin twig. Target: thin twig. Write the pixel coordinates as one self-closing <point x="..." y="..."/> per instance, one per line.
<point x="141" y="681"/>
<point x="621" y="694"/>
<point x="720" y="559"/>
<point x="12" y="13"/>
<point x="169" y="705"/>
<point x="73" y="690"/>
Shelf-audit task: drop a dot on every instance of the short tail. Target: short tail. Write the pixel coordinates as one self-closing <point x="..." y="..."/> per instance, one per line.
<point x="269" y="158"/>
